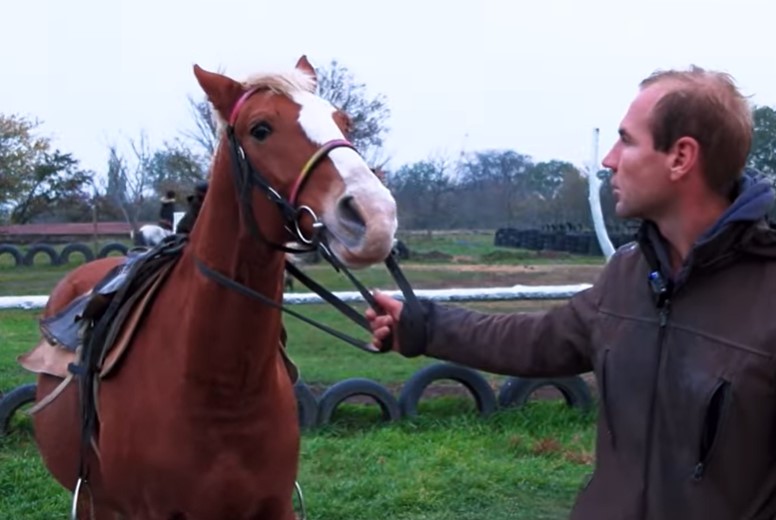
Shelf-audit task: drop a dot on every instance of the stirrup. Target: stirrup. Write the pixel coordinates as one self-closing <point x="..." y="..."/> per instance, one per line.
<point x="299" y="495"/>
<point x="76" y="494"/>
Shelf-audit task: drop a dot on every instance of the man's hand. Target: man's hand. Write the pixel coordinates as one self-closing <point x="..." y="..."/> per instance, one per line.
<point x="383" y="324"/>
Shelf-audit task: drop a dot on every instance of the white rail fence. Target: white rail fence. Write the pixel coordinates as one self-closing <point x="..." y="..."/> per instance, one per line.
<point x="491" y="294"/>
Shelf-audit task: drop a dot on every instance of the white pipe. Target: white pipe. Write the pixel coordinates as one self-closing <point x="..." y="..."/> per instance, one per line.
<point x="516" y="292"/>
<point x="594" y="198"/>
<point x="23" y="302"/>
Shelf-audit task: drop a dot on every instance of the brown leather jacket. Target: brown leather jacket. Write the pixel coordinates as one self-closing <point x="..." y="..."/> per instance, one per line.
<point x="687" y="381"/>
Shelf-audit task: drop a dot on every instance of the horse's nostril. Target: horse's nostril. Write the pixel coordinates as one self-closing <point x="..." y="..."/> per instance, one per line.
<point x="348" y="213"/>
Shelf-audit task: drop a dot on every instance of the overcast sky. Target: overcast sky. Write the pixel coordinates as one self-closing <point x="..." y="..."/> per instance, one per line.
<point x="535" y="77"/>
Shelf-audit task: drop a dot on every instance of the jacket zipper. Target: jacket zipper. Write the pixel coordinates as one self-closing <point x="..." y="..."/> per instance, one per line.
<point x="664" y="312"/>
<point x="713" y="416"/>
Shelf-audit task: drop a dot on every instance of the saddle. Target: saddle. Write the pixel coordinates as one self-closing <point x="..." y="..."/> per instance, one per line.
<point x="88" y="337"/>
<point x="64" y="329"/>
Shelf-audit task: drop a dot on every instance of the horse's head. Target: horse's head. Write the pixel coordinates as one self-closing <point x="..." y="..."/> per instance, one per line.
<point x="294" y="142"/>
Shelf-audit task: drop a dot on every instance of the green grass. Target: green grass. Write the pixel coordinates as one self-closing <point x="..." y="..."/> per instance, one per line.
<point x="472" y="243"/>
<point x="40" y="279"/>
<point x="18" y="333"/>
<point x="27" y="492"/>
<point x="526" y="464"/>
<point x="446" y="463"/>
<point x="476" y="247"/>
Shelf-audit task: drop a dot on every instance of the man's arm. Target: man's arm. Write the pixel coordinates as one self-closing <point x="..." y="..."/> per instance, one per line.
<point x="553" y="343"/>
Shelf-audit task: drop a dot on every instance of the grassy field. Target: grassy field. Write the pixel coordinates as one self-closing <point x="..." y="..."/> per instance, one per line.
<point x="446" y="463"/>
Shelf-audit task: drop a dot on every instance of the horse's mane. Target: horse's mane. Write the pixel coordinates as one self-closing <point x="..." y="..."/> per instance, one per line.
<point x="287" y="83"/>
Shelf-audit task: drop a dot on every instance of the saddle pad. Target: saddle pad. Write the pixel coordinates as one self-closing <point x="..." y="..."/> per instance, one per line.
<point x="46" y="358"/>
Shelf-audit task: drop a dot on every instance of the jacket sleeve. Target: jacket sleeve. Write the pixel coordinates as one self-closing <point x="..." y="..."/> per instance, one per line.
<point x="552" y="343"/>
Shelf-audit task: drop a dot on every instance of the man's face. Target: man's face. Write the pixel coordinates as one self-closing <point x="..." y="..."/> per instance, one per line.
<point x="640" y="181"/>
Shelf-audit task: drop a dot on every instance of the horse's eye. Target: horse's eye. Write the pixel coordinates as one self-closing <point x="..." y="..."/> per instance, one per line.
<point x="261" y="131"/>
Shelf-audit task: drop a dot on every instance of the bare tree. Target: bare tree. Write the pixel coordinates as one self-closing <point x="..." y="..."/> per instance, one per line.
<point x="175" y="166"/>
<point x="128" y="183"/>
<point x="499" y="176"/>
<point x="423" y="192"/>
<point x="205" y="131"/>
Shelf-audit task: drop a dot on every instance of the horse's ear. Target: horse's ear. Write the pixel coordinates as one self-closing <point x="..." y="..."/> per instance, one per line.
<point x="304" y="65"/>
<point x="222" y="91"/>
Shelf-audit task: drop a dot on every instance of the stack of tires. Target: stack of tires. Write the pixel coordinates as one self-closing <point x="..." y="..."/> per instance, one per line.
<point x="513" y="393"/>
<point x="26" y="257"/>
<point x="15" y="401"/>
<point x="317" y="411"/>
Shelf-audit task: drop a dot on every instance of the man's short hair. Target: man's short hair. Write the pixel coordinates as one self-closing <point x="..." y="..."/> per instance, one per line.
<point x="708" y="107"/>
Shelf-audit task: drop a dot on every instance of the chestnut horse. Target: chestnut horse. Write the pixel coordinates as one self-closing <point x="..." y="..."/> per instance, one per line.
<point x="199" y="422"/>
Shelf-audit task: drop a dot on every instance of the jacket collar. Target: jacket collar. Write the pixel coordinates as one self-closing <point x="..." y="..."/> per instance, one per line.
<point x="739" y="228"/>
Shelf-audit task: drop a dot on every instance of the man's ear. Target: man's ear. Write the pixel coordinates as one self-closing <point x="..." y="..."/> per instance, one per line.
<point x="683" y="157"/>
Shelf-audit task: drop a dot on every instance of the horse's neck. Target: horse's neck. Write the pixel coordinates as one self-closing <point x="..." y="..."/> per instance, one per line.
<point x="222" y="237"/>
<point x="232" y="339"/>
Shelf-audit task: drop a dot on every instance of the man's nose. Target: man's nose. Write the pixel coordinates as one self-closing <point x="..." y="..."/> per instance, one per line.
<point x="610" y="160"/>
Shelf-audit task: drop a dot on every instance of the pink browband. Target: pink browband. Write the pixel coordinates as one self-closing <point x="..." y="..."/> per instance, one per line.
<point x="240" y="102"/>
<point x="322" y="152"/>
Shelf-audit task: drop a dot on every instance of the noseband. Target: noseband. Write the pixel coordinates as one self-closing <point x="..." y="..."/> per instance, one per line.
<point x="246" y="178"/>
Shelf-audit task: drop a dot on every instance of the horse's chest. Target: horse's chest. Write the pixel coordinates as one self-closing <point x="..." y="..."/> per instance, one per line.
<point x="241" y="479"/>
<point x="225" y="490"/>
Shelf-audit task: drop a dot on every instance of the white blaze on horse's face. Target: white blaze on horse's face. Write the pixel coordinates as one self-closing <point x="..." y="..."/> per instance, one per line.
<point x="361" y="220"/>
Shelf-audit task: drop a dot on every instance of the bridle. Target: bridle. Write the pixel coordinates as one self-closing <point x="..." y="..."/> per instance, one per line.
<point x="246" y="179"/>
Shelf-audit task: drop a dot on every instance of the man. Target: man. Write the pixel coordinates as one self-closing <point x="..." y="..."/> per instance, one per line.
<point x="679" y="328"/>
<point x="167" y="210"/>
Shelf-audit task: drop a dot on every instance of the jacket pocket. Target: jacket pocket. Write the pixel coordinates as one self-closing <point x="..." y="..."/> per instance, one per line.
<point x="713" y="418"/>
<point x="605" y="404"/>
